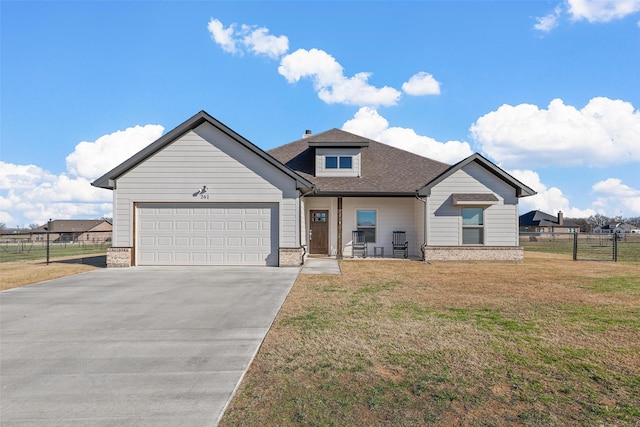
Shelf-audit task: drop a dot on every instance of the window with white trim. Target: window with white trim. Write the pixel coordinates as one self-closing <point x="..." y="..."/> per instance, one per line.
<point x="472" y="226"/>
<point x="367" y="221"/>
<point x="338" y="162"/>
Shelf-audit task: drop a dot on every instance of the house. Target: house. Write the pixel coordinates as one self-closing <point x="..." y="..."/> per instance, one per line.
<point x="540" y="222"/>
<point x="204" y="195"/>
<point x="620" y="228"/>
<point x="74" y="231"/>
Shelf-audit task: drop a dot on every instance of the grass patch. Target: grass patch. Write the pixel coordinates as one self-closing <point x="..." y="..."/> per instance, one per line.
<point x="21" y="273"/>
<point x="547" y="342"/>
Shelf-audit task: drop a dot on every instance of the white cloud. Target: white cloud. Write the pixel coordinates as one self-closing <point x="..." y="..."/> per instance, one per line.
<point x="421" y="84"/>
<point x="331" y="83"/>
<point x="30" y="194"/>
<point x="605" y="132"/>
<point x="91" y="160"/>
<point x="601" y="10"/>
<point x="548" y="22"/>
<point x="223" y="36"/>
<point x="262" y="43"/>
<point x="548" y="200"/>
<point x="21" y="177"/>
<point x="370" y="124"/>
<point x="256" y="39"/>
<point x="617" y="198"/>
<point x="588" y="10"/>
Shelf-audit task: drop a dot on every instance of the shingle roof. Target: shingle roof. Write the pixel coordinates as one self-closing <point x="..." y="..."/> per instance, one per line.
<point x="70" y="225"/>
<point x="384" y="169"/>
<point x="539" y="218"/>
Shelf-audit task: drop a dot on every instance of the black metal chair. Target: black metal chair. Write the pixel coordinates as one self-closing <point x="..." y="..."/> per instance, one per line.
<point x="358" y="243"/>
<point x="400" y="243"/>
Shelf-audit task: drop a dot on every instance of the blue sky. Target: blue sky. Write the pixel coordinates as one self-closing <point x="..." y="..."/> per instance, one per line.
<point x="549" y="90"/>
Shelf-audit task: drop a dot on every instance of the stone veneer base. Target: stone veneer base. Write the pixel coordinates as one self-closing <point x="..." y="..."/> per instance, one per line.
<point x="119" y="257"/>
<point x="290" y="257"/>
<point x="474" y="253"/>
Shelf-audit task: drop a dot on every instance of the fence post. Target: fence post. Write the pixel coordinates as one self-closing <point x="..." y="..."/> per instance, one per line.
<point x="615" y="247"/>
<point x="48" y="231"/>
<point x="575" y="246"/>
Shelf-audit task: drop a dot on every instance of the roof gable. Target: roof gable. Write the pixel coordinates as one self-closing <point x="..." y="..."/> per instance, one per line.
<point x="107" y="181"/>
<point x="521" y="189"/>
<point x="70" y="225"/>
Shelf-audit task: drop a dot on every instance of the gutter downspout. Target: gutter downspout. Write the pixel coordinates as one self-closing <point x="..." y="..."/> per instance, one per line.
<point x="424" y="243"/>
<point x="302" y="244"/>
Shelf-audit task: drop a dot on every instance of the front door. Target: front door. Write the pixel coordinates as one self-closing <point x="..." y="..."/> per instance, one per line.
<point x="319" y="233"/>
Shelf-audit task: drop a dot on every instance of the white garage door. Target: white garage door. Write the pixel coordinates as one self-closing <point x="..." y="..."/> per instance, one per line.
<point x="221" y="234"/>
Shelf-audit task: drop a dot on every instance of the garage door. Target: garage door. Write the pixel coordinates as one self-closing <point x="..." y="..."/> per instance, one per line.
<point x="222" y="234"/>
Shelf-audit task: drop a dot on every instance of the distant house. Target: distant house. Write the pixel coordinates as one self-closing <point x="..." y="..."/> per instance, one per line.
<point x="620" y="228"/>
<point x="541" y="222"/>
<point x="75" y="231"/>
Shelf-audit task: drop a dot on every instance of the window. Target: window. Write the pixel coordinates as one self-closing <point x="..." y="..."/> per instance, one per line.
<point x="319" y="217"/>
<point x="472" y="226"/>
<point x="366" y="220"/>
<point x="345" y="162"/>
<point x="335" y="162"/>
<point x="331" y="162"/>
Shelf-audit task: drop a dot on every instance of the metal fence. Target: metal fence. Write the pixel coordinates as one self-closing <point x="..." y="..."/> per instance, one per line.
<point x="586" y="246"/>
<point x="23" y="250"/>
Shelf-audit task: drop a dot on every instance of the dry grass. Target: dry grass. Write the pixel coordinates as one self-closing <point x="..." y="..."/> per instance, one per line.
<point x="547" y="342"/>
<point x="21" y="273"/>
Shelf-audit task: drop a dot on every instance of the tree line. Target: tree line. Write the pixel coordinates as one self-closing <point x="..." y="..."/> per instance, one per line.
<point x="588" y="224"/>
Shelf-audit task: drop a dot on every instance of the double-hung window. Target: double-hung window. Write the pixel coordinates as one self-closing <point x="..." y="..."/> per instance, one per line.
<point x="367" y="221"/>
<point x="472" y="226"/>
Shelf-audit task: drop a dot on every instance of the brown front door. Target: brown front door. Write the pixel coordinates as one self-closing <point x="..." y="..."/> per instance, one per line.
<point x="319" y="233"/>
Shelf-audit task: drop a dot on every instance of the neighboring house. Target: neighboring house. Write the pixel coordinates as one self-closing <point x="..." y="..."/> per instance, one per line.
<point x="204" y="195"/>
<point x="540" y="222"/>
<point x="74" y="231"/>
<point x="620" y="228"/>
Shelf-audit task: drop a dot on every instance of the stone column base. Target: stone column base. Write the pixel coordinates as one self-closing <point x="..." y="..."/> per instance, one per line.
<point x="119" y="257"/>
<point x="474" y="253"/>
<point x="291" y="257"/>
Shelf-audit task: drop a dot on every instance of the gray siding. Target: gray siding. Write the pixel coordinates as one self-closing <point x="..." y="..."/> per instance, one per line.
<point x="394" y="214"/>
<point x="501" y="219"/>
<point x="205" y="156"/>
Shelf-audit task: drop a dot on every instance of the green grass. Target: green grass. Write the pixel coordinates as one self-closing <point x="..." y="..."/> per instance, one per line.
<point x="38" y="251"/>
<point x="407" y="344"/>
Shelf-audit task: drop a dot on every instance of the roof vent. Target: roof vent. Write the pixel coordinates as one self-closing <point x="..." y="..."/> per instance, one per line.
<point x="307" y="134"/>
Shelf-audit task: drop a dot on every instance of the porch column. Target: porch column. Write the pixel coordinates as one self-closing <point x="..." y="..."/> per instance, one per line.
<point x="339" y="251"/>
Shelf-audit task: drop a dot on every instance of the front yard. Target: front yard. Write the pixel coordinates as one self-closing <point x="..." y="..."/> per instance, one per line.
<point x="547" y="342"/>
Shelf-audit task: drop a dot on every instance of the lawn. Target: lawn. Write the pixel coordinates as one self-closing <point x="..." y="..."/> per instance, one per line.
<point x="21" y="273"/>
<point x="546" y="342"/>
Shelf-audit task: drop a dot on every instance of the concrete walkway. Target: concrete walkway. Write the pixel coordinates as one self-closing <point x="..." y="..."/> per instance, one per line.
<point x="320" y="266"/>
<point x="142" y="346"/>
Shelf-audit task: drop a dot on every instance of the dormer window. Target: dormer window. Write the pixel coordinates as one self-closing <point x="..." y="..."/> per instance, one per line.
<point x="346" y="162"/>
<point x="338" y="158"/>
<point x="338" y="162"/>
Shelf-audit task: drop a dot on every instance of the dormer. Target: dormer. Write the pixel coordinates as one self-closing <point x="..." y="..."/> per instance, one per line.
<point x="338" y="157"/>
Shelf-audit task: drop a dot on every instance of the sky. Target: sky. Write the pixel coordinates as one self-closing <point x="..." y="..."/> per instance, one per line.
<point x="548" y="90"/>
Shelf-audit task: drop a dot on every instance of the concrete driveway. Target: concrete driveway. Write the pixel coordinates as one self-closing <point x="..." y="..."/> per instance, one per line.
<point x="143" y="346"/>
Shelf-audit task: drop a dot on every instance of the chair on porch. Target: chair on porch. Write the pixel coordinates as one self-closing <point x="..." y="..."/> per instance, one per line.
<point x="400" y="243"/>
<point x="358" y="243"/>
